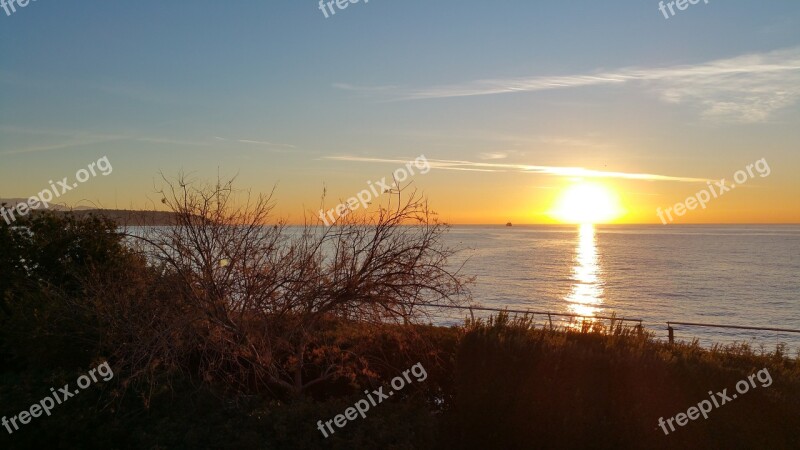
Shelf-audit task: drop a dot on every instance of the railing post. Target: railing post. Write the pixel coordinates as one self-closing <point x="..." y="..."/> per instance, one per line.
<point x="671" y="333"/>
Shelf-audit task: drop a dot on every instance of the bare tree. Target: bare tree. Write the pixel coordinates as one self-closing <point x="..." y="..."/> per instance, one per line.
<point x="262" y="295"/>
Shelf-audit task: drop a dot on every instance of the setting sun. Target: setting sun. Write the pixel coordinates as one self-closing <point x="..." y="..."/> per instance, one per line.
<point x="586" y="203"/>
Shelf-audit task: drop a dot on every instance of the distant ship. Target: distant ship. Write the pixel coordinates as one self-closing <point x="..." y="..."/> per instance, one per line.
<point x="508" y="224"/>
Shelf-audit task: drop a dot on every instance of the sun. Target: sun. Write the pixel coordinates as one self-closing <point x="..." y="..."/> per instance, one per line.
<point x="586" y="202"/>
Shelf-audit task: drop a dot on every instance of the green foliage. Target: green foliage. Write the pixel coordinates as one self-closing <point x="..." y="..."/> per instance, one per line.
<point x="46" y="261"/>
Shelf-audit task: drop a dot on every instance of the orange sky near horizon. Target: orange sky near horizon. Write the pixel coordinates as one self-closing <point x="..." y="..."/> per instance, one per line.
<point x="509" y="118"/>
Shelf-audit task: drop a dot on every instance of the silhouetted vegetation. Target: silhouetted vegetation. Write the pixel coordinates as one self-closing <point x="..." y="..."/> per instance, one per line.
<point x="518" y="387"/>
<point x="253" y="352"/>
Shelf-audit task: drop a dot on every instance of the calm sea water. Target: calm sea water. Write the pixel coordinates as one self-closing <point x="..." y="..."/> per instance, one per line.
<point x="733" y="275"/>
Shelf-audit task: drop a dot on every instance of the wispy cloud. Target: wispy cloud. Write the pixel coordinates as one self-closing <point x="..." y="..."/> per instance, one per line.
<point x="136" y="92"/>
<point x="493" y="155"/>
<point x="250" y="141"/>
<point x="572" y="142"/>
<point x="58" y="146"/>
<point x="561" y="171"/>
<point x="159" y="140"/>
<point x="747" y="88"/>
<point x="66" y="139"/>
<point x="351" y="87"/>
<point x="71" y="139"/>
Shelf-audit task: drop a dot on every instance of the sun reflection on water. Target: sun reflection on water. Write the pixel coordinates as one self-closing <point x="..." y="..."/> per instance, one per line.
<point x="585" y="297"/>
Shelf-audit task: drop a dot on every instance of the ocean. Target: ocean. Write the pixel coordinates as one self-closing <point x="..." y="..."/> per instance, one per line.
<point x="746" y="275"/>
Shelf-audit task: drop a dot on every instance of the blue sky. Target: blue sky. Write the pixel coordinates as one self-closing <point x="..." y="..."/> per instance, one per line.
<point x="273" y="91"/>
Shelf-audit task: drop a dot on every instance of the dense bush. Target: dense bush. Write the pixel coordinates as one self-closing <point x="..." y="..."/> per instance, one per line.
<point x="74" y="295"/>
<point x="47" y="318"/>
<point x="522" y="388"/>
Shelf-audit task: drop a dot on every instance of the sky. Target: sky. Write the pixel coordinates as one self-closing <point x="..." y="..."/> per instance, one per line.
<point x="511" y="103"/>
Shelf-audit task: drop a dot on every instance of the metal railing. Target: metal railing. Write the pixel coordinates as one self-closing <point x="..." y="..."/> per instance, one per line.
<point x="534" y="313"/>
<point x="671" y="331"/>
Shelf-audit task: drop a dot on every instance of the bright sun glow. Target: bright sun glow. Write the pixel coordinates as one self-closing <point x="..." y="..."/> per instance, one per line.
<point x="586" y="203"/>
